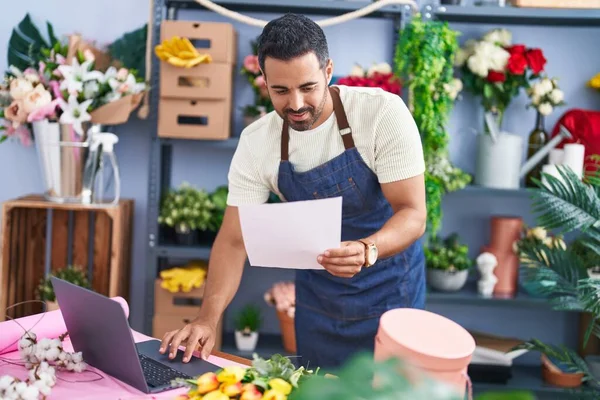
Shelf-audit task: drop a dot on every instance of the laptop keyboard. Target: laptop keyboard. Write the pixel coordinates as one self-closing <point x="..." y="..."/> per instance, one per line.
<point x="158" y="374"/>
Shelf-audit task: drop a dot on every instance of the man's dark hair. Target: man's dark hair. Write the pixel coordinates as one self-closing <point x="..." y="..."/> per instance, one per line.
<point x="292" y="36"/>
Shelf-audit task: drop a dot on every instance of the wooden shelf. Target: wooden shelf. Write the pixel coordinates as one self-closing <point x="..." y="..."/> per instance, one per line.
<point x="514" y="15"/>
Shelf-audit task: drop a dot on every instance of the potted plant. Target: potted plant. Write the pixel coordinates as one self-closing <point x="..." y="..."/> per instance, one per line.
<point x="219" y="199"/>
<point x="448" y="263"/>
<point x="282" y="296"/>
<point x="188" y="211"/>
<point x="74" y="275"/>
<point x="568" y="204"/>
<point x="247" y="325"/>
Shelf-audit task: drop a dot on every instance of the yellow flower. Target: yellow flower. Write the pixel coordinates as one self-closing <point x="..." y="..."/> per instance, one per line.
<point x="273" y="394"/>
<point x="207" y="382"/>
<point x="250" y="392"/>
<point x="232" y="374"/>
<point x="595" y="81"/>
<point x="280" y="385"/>
<point x="231" y="389"/>
<point x="215" y="395"/>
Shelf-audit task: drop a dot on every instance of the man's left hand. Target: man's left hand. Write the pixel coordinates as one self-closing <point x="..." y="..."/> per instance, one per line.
<point x="344" y="262"/>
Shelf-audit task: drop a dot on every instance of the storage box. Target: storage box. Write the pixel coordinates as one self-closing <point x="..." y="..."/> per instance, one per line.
<point x="97" y="237"/>
<point x="218" y="39"/>
<point x="203" y="82"/>
<point x="179" y="303"/>
<point x="195" y="119"/>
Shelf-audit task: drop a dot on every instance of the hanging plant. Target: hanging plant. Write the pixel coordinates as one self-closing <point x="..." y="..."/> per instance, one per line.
<point x="424" y="60"/>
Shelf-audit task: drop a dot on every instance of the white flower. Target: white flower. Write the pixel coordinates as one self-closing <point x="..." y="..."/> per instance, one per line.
<point x="453" y="88"/>
<point x="538" y="233"/>
<point x="88" y="55"/>
<point x="500" y="37"/>
<point x="557" y="96"/>
<point x="90" y="89"/>
<point x="75" y="113"/>
<point x="478" y="65"/>
<point x="357" y="71"/>
<point x="545" y="86"/>
<point x="37" y="98"/>
<point x="381" y="68"/>
<point x="535" y="99"/>
<point x="31" y="77"/>
<point x="545" y="108"/>
<point x="19" y="88"/>
<point x="76" y="74"/>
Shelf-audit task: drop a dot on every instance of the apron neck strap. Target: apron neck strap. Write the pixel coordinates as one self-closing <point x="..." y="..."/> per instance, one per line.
<point x="342" y="121"/>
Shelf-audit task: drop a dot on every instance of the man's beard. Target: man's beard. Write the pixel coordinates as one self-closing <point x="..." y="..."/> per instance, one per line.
<point x="313" y="115"/>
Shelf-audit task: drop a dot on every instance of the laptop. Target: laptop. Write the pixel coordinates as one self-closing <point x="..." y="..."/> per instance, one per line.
<point x="98" y="328"/>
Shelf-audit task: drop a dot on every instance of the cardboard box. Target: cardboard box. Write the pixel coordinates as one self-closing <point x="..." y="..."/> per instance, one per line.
<point x="195" y="119"/>
<point x="219" y="39"/>
<point x="203" y="82"/>
<point x="163" y="323"/>
<point x="180" y="303"/>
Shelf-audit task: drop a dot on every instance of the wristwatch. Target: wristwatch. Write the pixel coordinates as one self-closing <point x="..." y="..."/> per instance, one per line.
<point x="371" y="253"/>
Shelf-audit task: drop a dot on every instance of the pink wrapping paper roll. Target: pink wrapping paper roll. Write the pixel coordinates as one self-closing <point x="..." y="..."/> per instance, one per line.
<point x="48" y="325"/>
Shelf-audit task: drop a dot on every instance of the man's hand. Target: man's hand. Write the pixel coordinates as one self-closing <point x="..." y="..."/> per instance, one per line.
<point x="192" y="335"/>
<point x="345" y="261"/>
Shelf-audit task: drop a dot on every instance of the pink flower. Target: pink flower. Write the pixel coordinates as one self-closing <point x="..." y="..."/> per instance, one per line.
<point x="15" y="113"/>
<point x="261" y="85"/>
<point x="43" y="112"/>
<point x="60" y="59"/>
<point x="21" y="132"/>
<point x="251" y="64"/>
<point x="42" y="68"/>
<point x="55" y="86"/>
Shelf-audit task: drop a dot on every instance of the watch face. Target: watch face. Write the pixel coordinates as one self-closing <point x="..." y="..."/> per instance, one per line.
<point x="372" y="254"/>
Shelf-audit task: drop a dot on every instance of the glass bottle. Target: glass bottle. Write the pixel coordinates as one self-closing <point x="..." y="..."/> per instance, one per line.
<point x="537" y="139"/>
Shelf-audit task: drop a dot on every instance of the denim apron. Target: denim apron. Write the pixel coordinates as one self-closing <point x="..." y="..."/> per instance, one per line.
<point x="338" y="317"/>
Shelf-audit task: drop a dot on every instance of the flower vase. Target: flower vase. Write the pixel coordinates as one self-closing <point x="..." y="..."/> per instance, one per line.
<point x="62" y="155"/>
<point x="505" y="231"/>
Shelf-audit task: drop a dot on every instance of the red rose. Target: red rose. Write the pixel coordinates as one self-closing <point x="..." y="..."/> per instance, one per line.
<point x="517" y="64"/>
<point x="495" y="76"/>
<point x="536" y="60"/>
<point x="516" y="49"/>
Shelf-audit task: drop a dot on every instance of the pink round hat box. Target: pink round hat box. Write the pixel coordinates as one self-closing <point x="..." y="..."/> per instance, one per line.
<point x="433" y="344"/>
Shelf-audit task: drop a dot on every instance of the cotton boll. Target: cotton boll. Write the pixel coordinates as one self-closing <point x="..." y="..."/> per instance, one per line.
<point x="52" y="354"/>
<point x="77" y="357"/>
<point x="5" y="382"/>
<point x="30" y="393"/>
<point x="79" y="367"/>
<point x="20" y="387"/>
<point x="43" y="388"/>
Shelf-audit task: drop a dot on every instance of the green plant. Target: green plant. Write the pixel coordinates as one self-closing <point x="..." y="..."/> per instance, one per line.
<point x="248" y="319"/>
<point x="186" y="209"/>
<point x="219" y="199"/>
<point x="72" y="274"/>
<point x="568" y="204"/>
<point x="424" y="60"/>
<point x="130" y="50"/>
<point x="447" y="254"/>
<point x="355" y="382"/>
<point x="26" y="43"/>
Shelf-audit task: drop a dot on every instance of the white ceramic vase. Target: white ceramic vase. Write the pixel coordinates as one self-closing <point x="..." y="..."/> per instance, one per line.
<point x="499" y="162"/>
<point x="246" y="341"/>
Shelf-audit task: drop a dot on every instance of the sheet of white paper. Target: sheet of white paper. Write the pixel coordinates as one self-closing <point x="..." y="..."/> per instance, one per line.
<point x="291" y="234"/>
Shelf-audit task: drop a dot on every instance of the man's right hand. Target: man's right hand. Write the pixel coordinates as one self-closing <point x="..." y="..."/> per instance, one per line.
<point x="192" y="335"/>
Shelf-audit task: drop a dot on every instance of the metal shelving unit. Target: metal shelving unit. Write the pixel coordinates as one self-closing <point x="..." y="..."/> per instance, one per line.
<point x="161" y="149"/>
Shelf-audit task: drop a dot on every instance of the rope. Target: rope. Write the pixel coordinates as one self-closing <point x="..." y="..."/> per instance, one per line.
<point x="323" y="23"/>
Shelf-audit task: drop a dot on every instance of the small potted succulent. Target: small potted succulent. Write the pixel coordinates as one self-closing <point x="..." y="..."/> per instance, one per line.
<point x="247" y="325"/>
<point x="72" y="274"/>
<point x="448" y="263"/>
<point x="188" y="211"/>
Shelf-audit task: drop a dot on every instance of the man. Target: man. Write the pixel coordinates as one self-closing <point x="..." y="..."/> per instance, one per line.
<point x="358" y="143"/>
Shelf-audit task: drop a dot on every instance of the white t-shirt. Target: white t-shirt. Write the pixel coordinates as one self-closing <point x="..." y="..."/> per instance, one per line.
<point x="383" y="129"/>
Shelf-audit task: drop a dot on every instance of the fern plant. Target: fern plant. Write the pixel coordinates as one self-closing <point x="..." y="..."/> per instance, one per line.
<point x="569" y="205"/>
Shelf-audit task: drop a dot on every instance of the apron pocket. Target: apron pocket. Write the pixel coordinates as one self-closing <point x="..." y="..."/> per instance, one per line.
<point x="353" y="202"/>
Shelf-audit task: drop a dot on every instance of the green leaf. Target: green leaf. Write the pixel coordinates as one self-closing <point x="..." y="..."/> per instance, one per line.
<point x="3" y="138"/>
<point x="130" y="50"/>
<point x="51" y="36"/>
<point x="25" y="44"/>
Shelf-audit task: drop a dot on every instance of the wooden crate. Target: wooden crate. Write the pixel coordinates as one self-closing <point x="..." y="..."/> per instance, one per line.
<point x="100" y="237"/>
